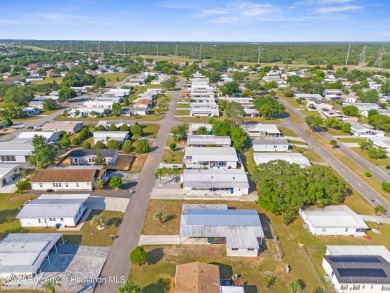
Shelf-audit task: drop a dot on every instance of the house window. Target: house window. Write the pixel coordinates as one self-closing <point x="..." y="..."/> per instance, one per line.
<point x="62" y="219"/>
<point x="384" y="287"/>
<point x="57" y="184"/>
<point x="344" y="287"/>
<point x="40" y="185"/>
<point x="66" y="184"/>
<point x="356" y="287"/>
<point x="77" y="185"/>
<point x="346" y="229"/>
<point x="52" y="219"/>
<point x="323" y="229"/>
<point x="39" y="221"/>
<point x="75" y="160"/>
<point x="234" y="248"/>
<point x="251" y="249"/>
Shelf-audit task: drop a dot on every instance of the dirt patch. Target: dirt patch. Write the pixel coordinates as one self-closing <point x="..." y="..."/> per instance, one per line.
<point x="20" y="197"/>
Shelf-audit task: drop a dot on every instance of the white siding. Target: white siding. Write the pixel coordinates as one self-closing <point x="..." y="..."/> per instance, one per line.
<point x="242" y="252"/>
<point x="270" y="148"/>
<point x="64" y="186"/>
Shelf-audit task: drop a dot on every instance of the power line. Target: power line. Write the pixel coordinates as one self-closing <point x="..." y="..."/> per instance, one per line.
<point x="346" y="61"/>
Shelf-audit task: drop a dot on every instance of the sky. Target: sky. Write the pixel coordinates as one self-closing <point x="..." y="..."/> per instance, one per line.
<point x="197" y="20"/>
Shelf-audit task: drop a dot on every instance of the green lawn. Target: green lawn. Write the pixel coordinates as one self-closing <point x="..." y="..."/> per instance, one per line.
<point x="193" y="119"/>
<point x="150" y="130"/>
<point x="138" y="163"/>
<point x="173" y="157"/>
<point x="182" y="112"/>
<point x="179" y="106"/>
<point x="337" y="132"/>
<point x="113" y="78"/>
<point x="150" y="117"/>
<point x="308" y="153"/>
<point x="352" y="139"/>
<point x="287" y="131"/>
<point x="364" y="155"/>
<point x="309" y="113"/>
<point x="47" y="80"/>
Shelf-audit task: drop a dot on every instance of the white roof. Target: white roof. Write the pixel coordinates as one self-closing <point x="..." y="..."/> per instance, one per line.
<point x="212" y="153"/>
<point x="232" y="289"/>
<point x="269" y="128"/>
<point x="196" y="126"/>
<point x="270" y="141"/>
<point x="292" y="158"/>
<point x="110" y="134"/>
<point x="359" y="250"/>
<point x="208" y="139"/>
<point x="6" y="168"/>
<point x="334" y="216"/>
<point x="306" y="96"/>
<point x="15" y="148"/>
<point x="215" y="178"/>
<point x="29" y="135"/>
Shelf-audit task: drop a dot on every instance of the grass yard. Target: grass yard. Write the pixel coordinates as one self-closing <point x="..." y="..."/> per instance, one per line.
<point x="138" y="163"/>
<point x="113" y="78"/>
<point x="308" y="153"/>
<point x="89" y="235"/>
<point x="193" y="119"/>
<point x="179" y="106"/>
<point x="150" y="130"/>
<point x="182" y="112"/>
<point x="173" y="157"/>
<point x="261" y="120"/>
<point x="309" y="113"/>
<point x="287" y="131"/>
<point x="294" y="117"/>
<point x="337" y="132"/>
<point x="351" y="139"/>
<point x="47" y="80"/>
<point x="295" y="104"/>
<point x="150" y="117"/>
<point x="296" y="142"/>
<point x="380" y="162"/>
<point x="248" y="160"/>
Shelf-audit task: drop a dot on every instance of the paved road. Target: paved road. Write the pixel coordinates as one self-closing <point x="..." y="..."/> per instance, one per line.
<point x="345" y="172"/>
<point x="375" y="171"/>
<point x="118" y="264"/>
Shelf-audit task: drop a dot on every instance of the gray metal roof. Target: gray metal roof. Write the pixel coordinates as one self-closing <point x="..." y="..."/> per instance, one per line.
<point x="362" y="269"/>
<point x="208" y="140"/>
<point x="211" y="153"/>
<point x="359" y="250"/>
<point x="51" y="208"/>
<point x="293" y="158"/>
<point x="268" y="128"/>
<point x="6" y="168"/>
<point x="24" y="253"/>
<point x="270" y="141"/>
<point x="218" y="178"/>
<point x="228" y="217"/>
<point x="16" y="148"/>
<point x="110" y="134"/>
<point x="242" y="237"/>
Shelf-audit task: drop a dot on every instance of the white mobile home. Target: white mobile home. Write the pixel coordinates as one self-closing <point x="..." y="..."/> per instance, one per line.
<point x="52" y="210"/>
<point x="106" y="136"/>
<point x="292" y="158"/>
<point x="211" y="157"/>
<point x="270" y="145"/>
<point x="261" y="130"/>
<point x="208" y="140"/>
<point x="334" y="220"/>
<point x="15" y="152"/>
<point x="364" y="130"/>
<point x="8" y="173"/>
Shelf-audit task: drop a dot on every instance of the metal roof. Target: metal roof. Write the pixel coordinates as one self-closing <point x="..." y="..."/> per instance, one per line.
<point x="270" y="141"/>
<point x="211" y="153"/>
<point x="242" y="237"/>
<point x="293" y="158"/>
<point x="229" y="218"/>
<point x="24" y="253"/>
<point x="216" y="178"/>
<point x="93" y="152"/>
<point x="6" y="168"/>
<point x="269" y="128"/>
<point x="334" y="216"/>
<point x="110" y="134"/>
<point x="208" y="140"/>
<point x="349" y="269"/>
<point x="15" y="148"/>
<point x="306" y="96"/>
<point x="359" y="250"/>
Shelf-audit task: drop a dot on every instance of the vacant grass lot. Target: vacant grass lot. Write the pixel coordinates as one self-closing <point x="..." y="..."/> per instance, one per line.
<point x="150" y="130"/>
<point x="179" y="106"/>
<point x="182" y="112"/>
<point x="379" y="162"/>
<point x="308" y="153"/>
<point x="287" y="131"/>
<point x="47" y="80"/>
<point x="351" y="139"/>
<point x="138" y="163"/>
<point x="113" y="78"/>
<point x="173" y="157"/>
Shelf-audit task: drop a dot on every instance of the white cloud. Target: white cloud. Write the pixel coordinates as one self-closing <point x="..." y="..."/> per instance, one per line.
<point x="334" y="1"/>
<point x="330" y="9"/>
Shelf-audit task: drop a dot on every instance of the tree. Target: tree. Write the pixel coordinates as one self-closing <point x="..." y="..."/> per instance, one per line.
<point x="380" y="209"/>
<point x="230" y="88"/>
<point x="21" y="185"/>
<point x="276" y="107"/>
<point x="98" y="184"/>
<point x="180" y="132"/>
<point x="126" y="148"/>
<point x="333" y="143"/>
<point x="99" y="145"/>
<point x="66" y="93"/>
<point x="76" y="141"/>
<point x="161" y="172"/>
<point x="372" y="112"/>
<point x="99" y="159"/>
<point x="159" y="216"/>
<point x="98" y="220"/>
<point x="169" y="84"/>
<point x="386" y="88"/>
<point x="221" y="128"/>
<point x="138" y="256"/>
<point x="266" y="111"/>
<point x="116" y="109"/>
<point x="201" y="130"/>
<point x="112" y="127"/>
<point x="239" y="138"/>
<point x="51" y="285"/>
<point x="136" y="131"/>
<point x="370" y="96"/>
<point x="43" y="153"/>
<point x="99" y="82"/>
<point x="100" y="128"/>
<point x="365" y="145"/>
<point x="376" y="153"/>
<point x="346" y="128"/>
<point x="86" y="145"/>
<point x="295" y="285"/>
<point x="172" y="146"/>
<point x="235" y="111"/>
<point x="64" y="142"/>
<point x="333" y="122"/>
<point x="129" y="287"/>
<point x="142" y="147"/>
<point x="20" y="95"/>
<point x="115" y="182"/>
<point x="351" y="111"/>
<point x="49" y="104"/>
<point x="124" y="127"/>
<point x="114" y="144"/>
<point x="314" y="121"/>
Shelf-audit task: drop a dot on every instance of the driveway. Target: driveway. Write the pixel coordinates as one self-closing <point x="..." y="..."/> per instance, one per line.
<point x="107" y="203"/>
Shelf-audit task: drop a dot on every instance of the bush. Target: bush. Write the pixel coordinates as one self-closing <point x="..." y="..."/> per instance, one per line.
<point x="388" y="167"/>
<point x="99" y="184"/>
<point x="172" y="146"/>
<point x="386" y="186"/>
<point x="126" y="148"/>
<point x="368" y="174"/>
<point x="142" y="147"/>
<point x="86" y="145"/>
<point x="380" y="209"/>
<point x="116" y="182"/>
<point x="76" y="141"/>
<point x="138" y="256"/>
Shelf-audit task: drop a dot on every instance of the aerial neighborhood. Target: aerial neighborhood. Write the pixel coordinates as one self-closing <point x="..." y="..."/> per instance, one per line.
<point x="133" y="169"/>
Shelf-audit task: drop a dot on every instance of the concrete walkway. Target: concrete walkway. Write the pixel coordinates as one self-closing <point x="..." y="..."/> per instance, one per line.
<point x="169" y="240"/>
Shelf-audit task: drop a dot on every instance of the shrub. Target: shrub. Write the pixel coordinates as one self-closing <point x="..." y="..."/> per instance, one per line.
<point x="368" y="174"/>
<point x="86" y="145"/>
<point x="172" y="146"/>
<point x="386" y="186"/>
<point x="116" y="182"/>
<point x="99" y="184"/>
<point x="142" y="147"/>
<point x="138" y="256"/>
<point x="380" y="209"/>
<point x="76" y="141"/>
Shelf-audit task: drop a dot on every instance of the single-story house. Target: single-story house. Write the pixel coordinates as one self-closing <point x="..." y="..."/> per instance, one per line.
<point x="317" y="105"/>
<point x="52" y="210"/>
<point x="223" y="181"/>
<point x="31" y="111"/>
<point x="240" y="230"/>
<point x="364" y="130"/>
<point x="98" y="104"/>
<point x="326" y="113"/>
<point x="107" y="98"/>
<point x="357" y="268"/>
<point x="194" y="127"/>
<point x="142" y="106"/>
<point x="211" y="157"/>
<point x="117" y="123"/>
<point x="328" y="92"/>
<point x="89" y="111"/>
<point x="8" y="173"/>
<point x="292" y="158"/>
<point x="208" y="140"/>
<point x="333" y="220"/>
<point x="23" y="254"/>
<point x="270" y="145"/>
<point x="204" y="109"/>
<point x="381" y="142"/>
<point x="67" y="126"/>
<point x="308" y="96"/>
<point x="200" y="277"/>
<point x="67" y="179"/>
<point x="87" y="156"/>
<point x="261" y="130"/>
<point x="15" y="152"/>
<point x="28" y="136"/>
<point x="106" y="136"/>
<point x="36" y="104"/>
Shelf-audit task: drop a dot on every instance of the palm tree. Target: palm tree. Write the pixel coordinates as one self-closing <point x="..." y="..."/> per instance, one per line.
<point x="161" y="172"/>
<point x="98" y="220"/>
<point x="295" y="285"/>
<point x="129" y="287"/>
<point x="174" y="172"/>
<point x="51" y="285"/>
<point x="159" y="216"/>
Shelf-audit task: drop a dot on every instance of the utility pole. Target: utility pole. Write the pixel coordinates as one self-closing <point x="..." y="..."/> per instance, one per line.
<point x="346" y="60"/>
<point x="378" y="62"/>
<point x="124" y="50"/>
<point x="157" y="48"/>
<point x="362" y="60"/>
<point x="176" y="50"/>
<point x="200" y="52"/>
<point x="258" y="57"/>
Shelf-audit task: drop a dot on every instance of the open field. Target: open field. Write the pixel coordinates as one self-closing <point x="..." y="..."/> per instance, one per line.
<point x="287" y="131"/>
<point x="47" y="80"/>
<point x="113" y="78"/>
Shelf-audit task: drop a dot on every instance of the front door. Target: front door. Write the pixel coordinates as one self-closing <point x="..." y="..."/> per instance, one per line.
<point x="4" y="182"/>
